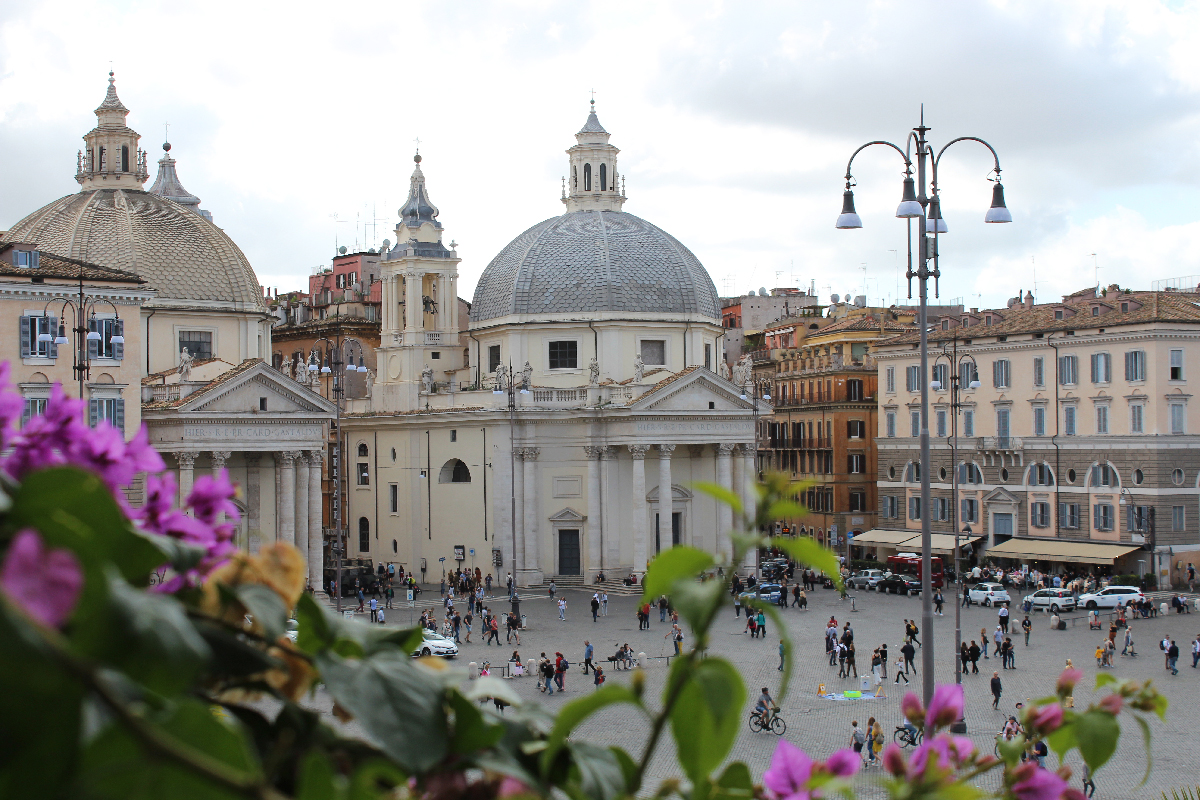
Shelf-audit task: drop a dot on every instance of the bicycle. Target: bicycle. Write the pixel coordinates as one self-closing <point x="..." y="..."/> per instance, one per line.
<point x="906" y="737"/>
<point x="774" y="722"/>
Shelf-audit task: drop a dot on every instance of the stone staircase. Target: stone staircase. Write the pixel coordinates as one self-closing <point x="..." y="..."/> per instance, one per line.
<point x="575" y="583"/>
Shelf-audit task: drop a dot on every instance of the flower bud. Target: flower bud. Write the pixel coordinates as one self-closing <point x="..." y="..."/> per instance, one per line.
<point x="1067" y="681"/>
<point x="639" y="681"/>
<point x="1112" y="704"/>
<point x="912" y="709"/>
<point x="893" y="760"/>
<point x="1046" y="719"/>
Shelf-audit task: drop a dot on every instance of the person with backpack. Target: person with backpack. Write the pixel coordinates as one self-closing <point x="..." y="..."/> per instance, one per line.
<point x="561" y="665"/>
<point x="546" y="670"/>
<point x="857" y="737"/>
<point x="752" y="626"/>
<point x="595" y="606"/>
<point x="662" y="608"/>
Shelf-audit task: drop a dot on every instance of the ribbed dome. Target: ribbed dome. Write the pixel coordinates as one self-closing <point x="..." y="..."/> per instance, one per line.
<point x="591" y="262"/>
<point x="180" y="253"/>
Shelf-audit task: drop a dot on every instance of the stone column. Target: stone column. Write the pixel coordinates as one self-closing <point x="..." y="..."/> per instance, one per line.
<point x="219" y="457"/>
<point x="666" y="498"/>
<point x="738" y="482"/>
<point x="316" y="550"/>
<point x="697" y="452"/>
<point x="724" y="516"/>
<point x="595" y="528"/>
<point x="186" y="462"/>
<point x="608" y="524"/>
<point x="638" y="453"/>
<point x="253" y="502"/>
<point x="300" y="521"/>
<point x="518" y="499"/>
<point x="285" y="530"/>
<point x="532" y="540"/>
<point x="743" y="487"/>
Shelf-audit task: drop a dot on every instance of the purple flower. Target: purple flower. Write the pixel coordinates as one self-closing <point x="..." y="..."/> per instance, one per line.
<point x="1040" y="784"/>
<point x="1047" y="719"/>
<point x="47" y="438"/>
<point x="1067" y="680"/>
<point x="46" y="584"/>
<point x="893" y="760"/>
<point x="945" y="707"/>
<point x="212" y="496"/>
<point x="11" y="406"/>
<point x="843" y="763"/>
<point x="932" y="760"/>
<point x="1112" y="703"/>
<point x="912" y="709"/>
<point x="788" y="775"/>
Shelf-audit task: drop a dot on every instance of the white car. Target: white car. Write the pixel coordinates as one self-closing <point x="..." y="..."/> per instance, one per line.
<point x="989" y="594"/>
<point x="1053" y="600"/>
<point x="866" y="579"/>
<point x="1111" y="597"/>
<point x="434" y="644"/>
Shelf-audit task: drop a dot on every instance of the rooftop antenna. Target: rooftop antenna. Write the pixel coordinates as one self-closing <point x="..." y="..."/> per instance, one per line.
<point x="866" y="291"/>
<point x="1096" y="269"/>
<point x="896" y="296"/>
<point x="1033" y="260"/>
<point x="166" y="131"/>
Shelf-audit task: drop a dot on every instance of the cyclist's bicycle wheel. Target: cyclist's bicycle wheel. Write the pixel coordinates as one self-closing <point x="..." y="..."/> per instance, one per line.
<point x="778" y="726"/>
<point x="755" y="722"/>
<point x="906" y="738"/>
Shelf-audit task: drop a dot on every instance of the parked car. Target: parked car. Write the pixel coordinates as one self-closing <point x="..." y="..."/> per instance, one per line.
<point x="899" y="584"/>
<point x="765" y="592"/>
<point x="434" y="644"/>
<point x="865" y="579"/>
<point x="1054" y="600"/>
<point x="1111" y="597"/>
<point x="989" y="594"/>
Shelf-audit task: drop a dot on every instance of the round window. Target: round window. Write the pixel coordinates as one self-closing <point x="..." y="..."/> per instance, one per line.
<point x="1070" y="476"/>
<point x="942" y="473"/>
<point x="1138" y="476"/>
<point x="891" y="473"/>
<point x="1003" y="474"/>
<point x="1177" y="477"/>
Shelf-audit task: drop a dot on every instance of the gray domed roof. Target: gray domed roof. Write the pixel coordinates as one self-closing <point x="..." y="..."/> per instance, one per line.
<point x="594" y="261"/>
<point x="178" y="252"/>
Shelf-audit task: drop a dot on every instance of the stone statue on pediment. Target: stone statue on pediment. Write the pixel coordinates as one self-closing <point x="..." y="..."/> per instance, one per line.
<point x="594" y="371"/>
<point x="501" y="378"/>
<point x="186" y="360"/>
<point x="427" y="380"/>
<point x="639" y="368"/>
<point x="526" y="377"/>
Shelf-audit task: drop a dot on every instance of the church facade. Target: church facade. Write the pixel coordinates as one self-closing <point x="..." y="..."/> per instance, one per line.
<point x="564" y="433"/>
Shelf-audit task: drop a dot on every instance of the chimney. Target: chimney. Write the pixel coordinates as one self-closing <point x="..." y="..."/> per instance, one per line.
<point x="1029" y="299"/>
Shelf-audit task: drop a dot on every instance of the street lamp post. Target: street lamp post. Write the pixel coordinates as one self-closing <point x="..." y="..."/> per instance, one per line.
<point x="926" y="209"/>
<point x="83" y="312"/>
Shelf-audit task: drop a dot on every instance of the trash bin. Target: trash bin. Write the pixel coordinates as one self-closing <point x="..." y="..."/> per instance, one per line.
<point x="472" y="670"/>
<point x="641" y="659"/>
<point x="1162" y="609"/>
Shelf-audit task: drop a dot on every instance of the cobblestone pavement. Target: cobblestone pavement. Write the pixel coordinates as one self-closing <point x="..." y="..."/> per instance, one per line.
<point x="821" y="726"/>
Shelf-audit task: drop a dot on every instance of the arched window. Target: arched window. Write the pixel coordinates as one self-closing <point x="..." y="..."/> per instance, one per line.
<point x="102" y="159"/>
<point x="574" y="177"/>
<point x="124" y="158"/>
<point x="364" y="534"/>
<point x="603" y="178"/>
<point x="362" y="450"/>
<point x="587" y="177"/>
<point x="454" y="471"/>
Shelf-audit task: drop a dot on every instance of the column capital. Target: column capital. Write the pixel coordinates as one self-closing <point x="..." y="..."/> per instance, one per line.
<point x="594" y="451"/>
<point x="696" y="450"/>
<point x="315" y="457"/>
<point x="531" y="453"/>
<point x="285" y="458"/>
<point x="219" y="457"/>
<point x="608" y="452"/>
<point x="666" y="449"/>
<point x="186" y="460"/>
<point x="747" y="449"/>
<point x="724" y="448"/>
<point x="638" y="451"/>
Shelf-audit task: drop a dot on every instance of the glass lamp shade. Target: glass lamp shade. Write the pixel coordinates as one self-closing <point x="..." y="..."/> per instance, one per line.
<point x="118" y="339"/>
<point x="909" y="208"/>
<point x="325" y="370"/>
<point x="973" y="384"/>
<point x="935" y="385"/>
<point x="62" y="334"/>
<point x="766" y="396"/>
<point x="998" y="212"/>
<point x="848" y="218"/>
<point x="935" y="223"/>
<point x="45" y="337"/>
<point x="312" y="367"/>
<point x="93" y="336"/>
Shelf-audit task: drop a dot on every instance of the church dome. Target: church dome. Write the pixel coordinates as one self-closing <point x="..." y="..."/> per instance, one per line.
<point x="160" y="235"/>
<point x="593" y="262"/>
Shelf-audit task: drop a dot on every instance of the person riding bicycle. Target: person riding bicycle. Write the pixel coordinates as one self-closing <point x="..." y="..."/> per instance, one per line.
<point x="765" y="706"/>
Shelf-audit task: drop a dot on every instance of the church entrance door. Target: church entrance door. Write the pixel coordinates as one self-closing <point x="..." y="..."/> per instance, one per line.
<point x="568" y="552"/>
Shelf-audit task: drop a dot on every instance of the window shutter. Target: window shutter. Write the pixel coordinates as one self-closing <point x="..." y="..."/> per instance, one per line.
<point x="52" y="325"/>
<point x="93" y="347"/>
<point x="118" y="329"/>
<point x="35" y="260"/>
<point x="27" y="412"/>
<point x="121" y="415"/>
<point x="1095" y="368"/>
<point x="25" y="337"/>
<point x="93" y="411"/>
<point x="995" y="374"/>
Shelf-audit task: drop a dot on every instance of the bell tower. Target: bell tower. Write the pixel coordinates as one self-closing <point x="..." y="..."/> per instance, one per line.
<point x="419" y="352"/>
<point x="592" y="180"/>
<point x="111" y="158"/>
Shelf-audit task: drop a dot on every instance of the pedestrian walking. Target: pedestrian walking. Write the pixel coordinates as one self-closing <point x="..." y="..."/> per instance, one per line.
<point x="467" y="620"/>
<point x="562" y="608"/>
<point x="966" y="601"/>
<point x="588" y="653"/>
<point x="737" y="607"/>
<point x="1195" y="649"/>
<point x="908" y="651"/>
<point x="997" y="640"/>
<point x="781" y="651"/>
<point x="796" y="595"/>
<point x="560" y="671"/>
<point x="762" y="624"/>
<point x="1026" y="626"/>
<point x="362" y="598"/>
<point x="1003" y="618"/>
<point x="911" y="630"/>
<point x="552" y="589"/>
<point x="803" y="600"/>
<point x="900" y="670"/>
<point x="1127" y="649"/>
<point x="938" y="601"/>
<point x="983" y="638"/>
<point x="662" y="608"/>
<point x="997" y="688"/>
<point x="603" y="603"/>
<point x="546" y="670"/>
<point x="595" y="606"/>
<point x="973" y="651"/>
<point x="883" y="661"/>
<point x="599" y="676"/>
<point x="1173" y="657"/>
<point x="487" y="582"/>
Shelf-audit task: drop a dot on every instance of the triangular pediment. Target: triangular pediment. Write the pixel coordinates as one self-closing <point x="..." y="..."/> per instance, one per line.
<point x="1001" y="495"/>
<point x="568" y="514"/>
<point x="693" y="390"/>
<point x="241" y="391"/>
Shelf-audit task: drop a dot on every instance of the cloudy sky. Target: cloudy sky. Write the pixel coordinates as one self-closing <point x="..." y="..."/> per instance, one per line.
<point x="295" y="123"/>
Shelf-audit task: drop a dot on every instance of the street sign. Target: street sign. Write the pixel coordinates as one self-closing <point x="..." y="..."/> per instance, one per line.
<point x="460" y="552"/>
<point x="411" y="603"/>
<point x="472" y="552"/>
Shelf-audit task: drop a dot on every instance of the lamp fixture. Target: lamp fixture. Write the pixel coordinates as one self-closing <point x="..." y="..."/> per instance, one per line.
<point x="934" y="223"/>
<point x="909" y="208"/>
<point x="998" y="212"/>
<point x="62" y="334"/>
<point x="849" y="217"/>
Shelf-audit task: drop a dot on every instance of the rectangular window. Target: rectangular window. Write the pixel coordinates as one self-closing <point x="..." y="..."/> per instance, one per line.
<point x="970" y="510"/>
<point x="1137" y="519"/>
<point x="107" y="409"/>
<point x="1135" y="419"/>
<point x="854" y="390"/>
<point x="364" y="474"/>
<point x="858" y="501"/>
<point x="493" y="357"/>
<point x="199" y="344"/>
<point x="915" y="418"/>
<point x="454" y="435"/>
<point x="1039" y="371"/>
<point x="654" y="352"/>
<point x="940" y="375"/>
<point x="1039" y="421"/>
<point x="1002" y="427"/>
<point x="856" y="429"/>
<point x="968" y="422"/>
<point x="1069" y="421"/>
<point x="28" y="259"/>
<point x="1135" y="365"/>
<point x="1039" y="515"/>
<point x="890" y="422"/>
<point x="1176" y="365"/>
<point x="105" y="347"/>
<point x="1101" y="419"/>
<point x="1000" y="373"/>
<point x="914" y="508"/>
<point x="912" y="379"/>
<point x="1068" y="515"/>
<point x="394" y="498"/>
<point x="1103" y="516"/>
<point x="1177" y="419"/>
<point x="1068" y="370"/>
<point x="890" y="379"/>
<point x="708" y="364"/>
<point x="941" y="509"/>
<point x="968" y="372"/>
<point x="31" y="328"/>
<point x="1101" y="368"/>
<point x="1103" y="475"/>
<point x="565" y="355"/>
<point x="941" y="424"/>
<point x="34" y="407"/>
<point x="857" y="463"/>
<point x="887" y="507"/>
<point x="1176" y="518"/>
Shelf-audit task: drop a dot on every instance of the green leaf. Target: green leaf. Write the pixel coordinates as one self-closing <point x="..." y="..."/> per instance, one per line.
<point x="576" y="711"/>
<point x="321" y="629"/>
<point x="265" y="607"/>
<point x="375" y="778"/>
<point x="1063" y="739"/>
<point x="471" y="731"/>
<point x="671" y="566"/>
<point x="807" y="551"/>
<point x="597" y="771"/>
<point x="233" y="655"/>
<point x="772" y="611"/>
<point x="720" y="494"/>
<point x="1011" y="749"/>
<point x="318" y="780"/>
<point x="707" y="714"/>
<point x="698" y="603"/>
<point x="735" y="782"/>
<point x="316" y="629"/>
<point x="1105" y="678"/>
<point x="397" y="702"/>
<point x="628" y="767"/>
<point x="1097" y="733"/>
<point x="1146" y="742"/>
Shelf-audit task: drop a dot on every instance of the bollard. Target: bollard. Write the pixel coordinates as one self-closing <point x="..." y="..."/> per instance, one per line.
<point x="1054" y="621"/>
<point x="472" y="670"/>
<point x="852" y="608"/>
<point x="523" y="625"/>
<point x="1162" y="609"/>
<point x="641" y="659"/>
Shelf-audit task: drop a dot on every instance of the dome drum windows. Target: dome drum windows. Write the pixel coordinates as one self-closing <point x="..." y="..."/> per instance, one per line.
<point x="124" y="158"/>
<point x="603" y="178"/>
<point x="587" y="177"/>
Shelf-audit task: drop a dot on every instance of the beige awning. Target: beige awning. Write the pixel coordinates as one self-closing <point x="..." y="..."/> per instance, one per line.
<point x="1061" y="550"/>
<point x="878" y="536"/>
<point x="941" y="543"/>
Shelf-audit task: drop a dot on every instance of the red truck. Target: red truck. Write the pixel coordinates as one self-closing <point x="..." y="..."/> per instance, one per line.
<point x="910" y="564"/>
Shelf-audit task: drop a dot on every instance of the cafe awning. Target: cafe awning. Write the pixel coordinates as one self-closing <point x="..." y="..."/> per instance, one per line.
<point x="882" y="536"/>
<point x="1067" y="551"/>
<point x="941" y="543"/>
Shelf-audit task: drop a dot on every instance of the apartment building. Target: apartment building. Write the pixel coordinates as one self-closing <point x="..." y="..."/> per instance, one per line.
<point x="1079" y="444"/>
